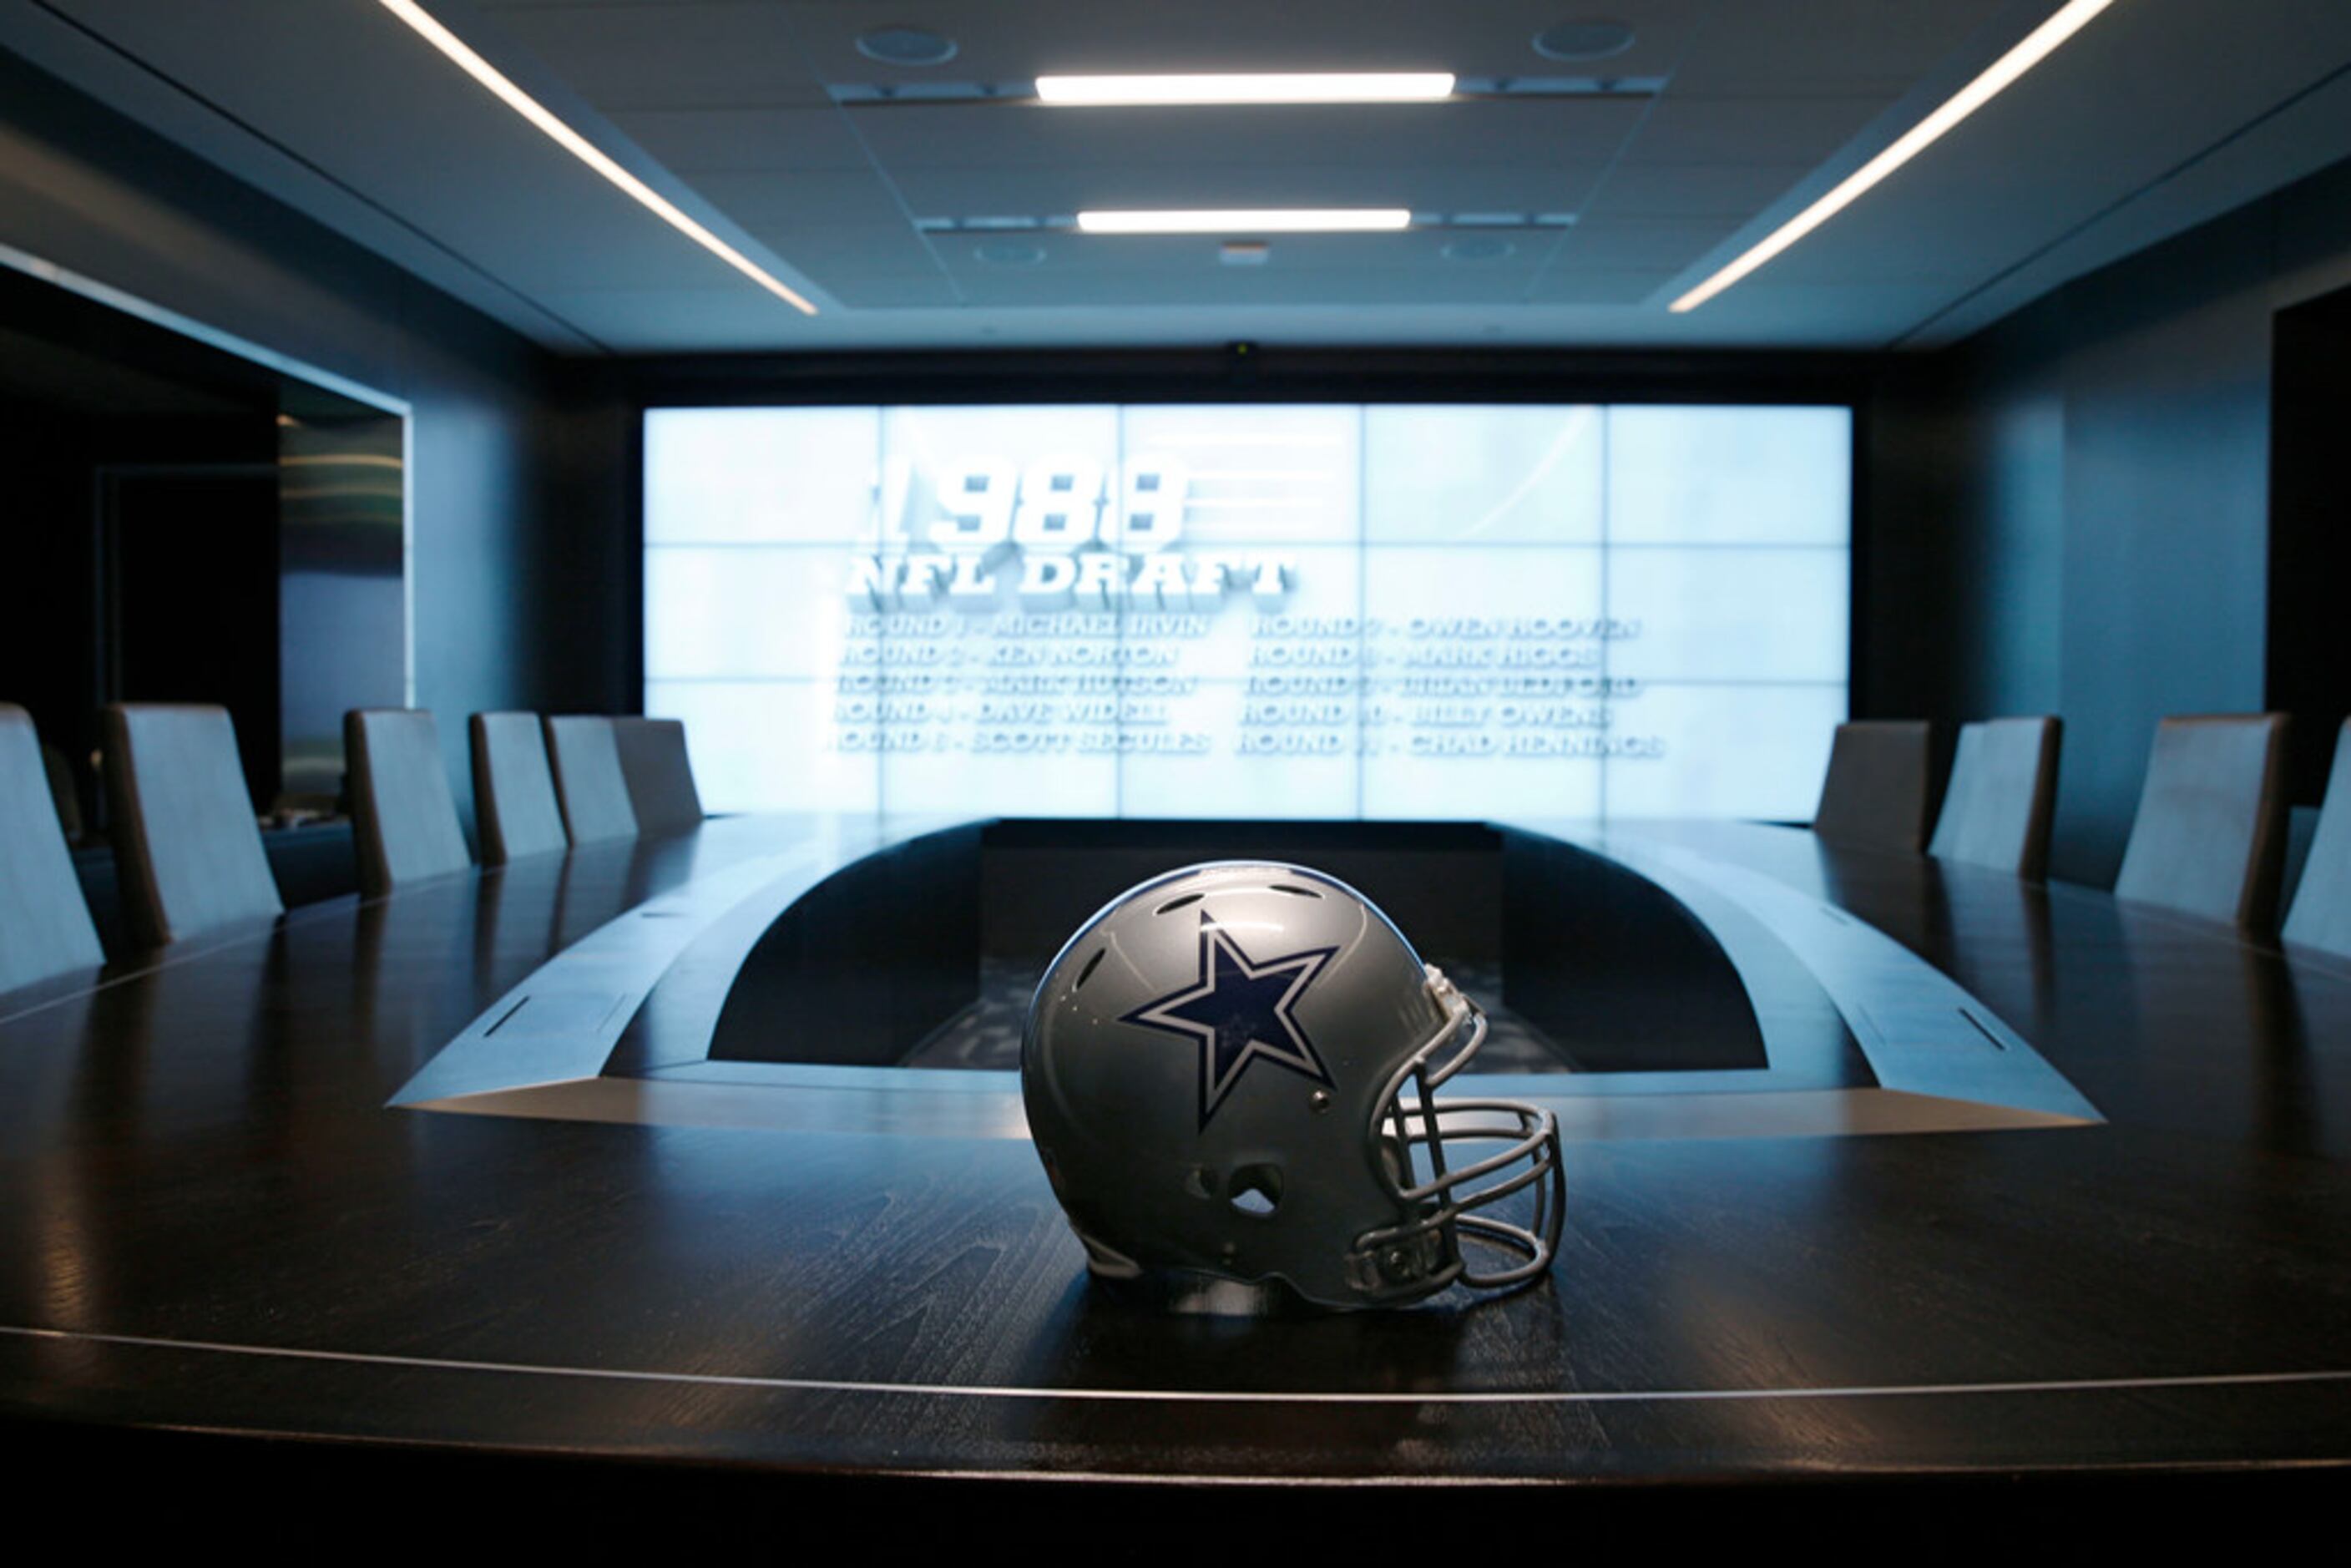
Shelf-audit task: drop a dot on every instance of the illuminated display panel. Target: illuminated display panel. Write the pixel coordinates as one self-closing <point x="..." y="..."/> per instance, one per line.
<point x="1381" y="611"/>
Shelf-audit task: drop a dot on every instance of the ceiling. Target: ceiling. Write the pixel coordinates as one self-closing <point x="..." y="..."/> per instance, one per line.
<point x="1570" y="212"/>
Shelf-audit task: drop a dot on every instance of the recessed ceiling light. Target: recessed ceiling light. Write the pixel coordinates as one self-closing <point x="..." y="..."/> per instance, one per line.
<point x="1009" y="252"/>
<point x="588" y="152"/>
<point x="906" y="46"/>
<point x="1295" y="87"/>
<point x="2035" y="46"/>
<point x="1594" y="40"/>
<point x="1476" y="247"/>
<point x="1246" y="221"/>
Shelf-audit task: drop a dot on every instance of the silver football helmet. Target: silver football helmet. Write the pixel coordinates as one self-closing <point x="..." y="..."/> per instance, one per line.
<point x="1230" y="1074"/>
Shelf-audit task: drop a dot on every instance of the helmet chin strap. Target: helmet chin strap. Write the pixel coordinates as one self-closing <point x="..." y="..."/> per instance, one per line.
<point x="1421" y="1255"/>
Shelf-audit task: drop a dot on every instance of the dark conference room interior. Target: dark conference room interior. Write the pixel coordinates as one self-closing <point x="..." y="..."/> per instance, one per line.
<point x="1174" y="777"/>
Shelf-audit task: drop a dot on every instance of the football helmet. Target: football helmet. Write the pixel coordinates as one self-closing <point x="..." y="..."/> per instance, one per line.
<point x="1230" y="1073"/>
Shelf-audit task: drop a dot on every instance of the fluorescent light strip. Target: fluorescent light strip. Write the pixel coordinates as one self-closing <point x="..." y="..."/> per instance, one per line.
<point x="2035" y="46"/>
<point x="587" y="152"/>
<point x="1246" y="221"/>
<point x="1318" y="86"/>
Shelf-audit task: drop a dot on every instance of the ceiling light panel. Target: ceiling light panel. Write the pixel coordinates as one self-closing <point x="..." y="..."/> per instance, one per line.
<point x="1246" y="221"/>
<point x="1193" y="221"/>
<point x="1282" y="86"/>
<point x="1171" y="92"/>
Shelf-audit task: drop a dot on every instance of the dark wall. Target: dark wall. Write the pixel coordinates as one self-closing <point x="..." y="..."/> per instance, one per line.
<point x="2072" y="508"/>
<point x="53" y="450"/>
<point x="2309" y="534"/>
<point x="508" y="473"/>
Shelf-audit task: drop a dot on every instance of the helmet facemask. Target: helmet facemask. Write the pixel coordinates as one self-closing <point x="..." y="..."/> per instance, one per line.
<point x="1423" y="1254"/>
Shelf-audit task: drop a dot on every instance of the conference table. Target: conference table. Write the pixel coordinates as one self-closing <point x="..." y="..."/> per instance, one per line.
<point x="451" y="1172"/>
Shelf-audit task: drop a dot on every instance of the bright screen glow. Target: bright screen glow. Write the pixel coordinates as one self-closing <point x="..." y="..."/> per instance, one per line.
<point x="1382" y="611"/>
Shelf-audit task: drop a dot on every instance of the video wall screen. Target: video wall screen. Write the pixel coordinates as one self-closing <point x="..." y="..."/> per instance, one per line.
<point x="1378" y="611"/>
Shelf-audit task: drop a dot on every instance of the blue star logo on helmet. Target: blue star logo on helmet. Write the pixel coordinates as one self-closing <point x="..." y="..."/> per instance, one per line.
<point x="1241" y="1011"/>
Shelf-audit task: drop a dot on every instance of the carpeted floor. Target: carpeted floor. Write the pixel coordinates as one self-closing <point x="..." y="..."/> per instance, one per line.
<point x="987" y="1035"/>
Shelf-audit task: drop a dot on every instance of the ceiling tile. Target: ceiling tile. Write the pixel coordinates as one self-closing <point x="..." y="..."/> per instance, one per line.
<point x="763" y="200"/>
<point x="676" y="320"/>
<point x="1417" y="252"/>
<point x="645" y="254"/>
<point x="684" y="56"/>
<point x="706" y="141"/>
<point x="1623" y="288"/>
<point x="829" y="252"/>
<point x="1209" y="285"/>
<point x="1693" y="190"/>
<point x="1683" y="128"/>
<point x="1571" y="131"/>
<point x="1043" y="192"/>
<point x="1833" y="47"/>
<point x="1492" y="38"/>
<point x="862" y="291"/>
<point x="1623" y="244"/>
<point x="1842" y="314"/>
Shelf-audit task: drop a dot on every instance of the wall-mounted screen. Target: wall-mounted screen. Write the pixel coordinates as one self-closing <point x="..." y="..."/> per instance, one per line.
<point x="1379" y="611"/>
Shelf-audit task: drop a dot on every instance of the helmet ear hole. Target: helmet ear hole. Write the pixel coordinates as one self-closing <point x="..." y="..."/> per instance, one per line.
<point x="1255" y="1189"/>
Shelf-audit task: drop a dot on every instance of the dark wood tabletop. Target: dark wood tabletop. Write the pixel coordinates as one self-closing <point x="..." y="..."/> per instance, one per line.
<point x="212" y="1217"/>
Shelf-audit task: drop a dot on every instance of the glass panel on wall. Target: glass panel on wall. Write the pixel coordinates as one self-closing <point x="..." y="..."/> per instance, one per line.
<point x="202" y="525"/>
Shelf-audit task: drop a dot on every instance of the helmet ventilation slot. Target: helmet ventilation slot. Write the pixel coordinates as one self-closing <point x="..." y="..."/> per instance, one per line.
<point x="1256" y="1189"/>
<point x="1088" y="972"/>
<point x="1295" y="892"/>
<point x="1175" y="903"/>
